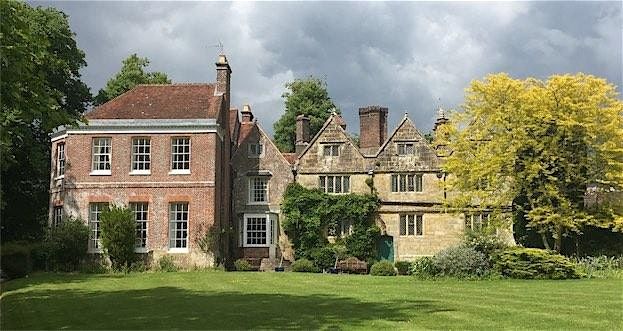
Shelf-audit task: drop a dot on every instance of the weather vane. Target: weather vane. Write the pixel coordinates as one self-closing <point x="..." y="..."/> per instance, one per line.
<point x="219" y="46"/>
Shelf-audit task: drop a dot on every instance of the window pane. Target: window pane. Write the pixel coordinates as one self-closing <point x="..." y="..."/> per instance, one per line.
<point x="410" y="225"/>
<point x="257" y="230"/>
<point x="322" y="184"/>
<point x="410" y="184"/>
<point x="346" y="185"/>
<point x="330" y="184"/>
<point x="418" y="183"/>
<point x="403" y="183"/>
<point x="180" y="153"/>
<point x="338" y="184"/>
<point x="178" y="225"/>
<point x="403" y="225"/>
<point x="394" y="183"/>
<point x="419" y="223"/>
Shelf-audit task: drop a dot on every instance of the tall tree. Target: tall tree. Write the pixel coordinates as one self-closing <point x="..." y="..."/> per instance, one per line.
<point x="41" y="89"/>
<point x="307" y="97"/>
<point x="541" y="145"/>
<point x="131" y="74"/>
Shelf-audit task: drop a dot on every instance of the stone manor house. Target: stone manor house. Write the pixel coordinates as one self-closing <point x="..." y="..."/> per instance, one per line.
<point x="187" y="163"/>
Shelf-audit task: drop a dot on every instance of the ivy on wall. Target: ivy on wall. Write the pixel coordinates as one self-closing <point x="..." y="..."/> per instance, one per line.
<point x="311" y="214"/>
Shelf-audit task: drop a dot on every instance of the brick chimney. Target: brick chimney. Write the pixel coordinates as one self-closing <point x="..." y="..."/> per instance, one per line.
<point x="246" y="114"/>
<point x="372" y="128"/>
<point x="223" y="79"/>
<point x="302" y="133"/>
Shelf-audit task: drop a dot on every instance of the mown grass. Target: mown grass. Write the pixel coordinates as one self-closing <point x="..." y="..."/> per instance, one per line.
<point x="235" y="300"/>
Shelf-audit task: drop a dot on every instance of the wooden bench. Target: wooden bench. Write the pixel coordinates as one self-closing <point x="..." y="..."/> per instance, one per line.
<point x="352" y="265"/>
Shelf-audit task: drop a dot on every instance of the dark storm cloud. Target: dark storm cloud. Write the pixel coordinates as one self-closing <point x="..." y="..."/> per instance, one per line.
<point x="402" y="55"/>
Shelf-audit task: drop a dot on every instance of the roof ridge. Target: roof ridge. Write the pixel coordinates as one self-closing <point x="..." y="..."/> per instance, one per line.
<point x="178" y="84"/>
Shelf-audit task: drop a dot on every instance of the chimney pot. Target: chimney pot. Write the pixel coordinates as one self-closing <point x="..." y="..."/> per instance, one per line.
<point x="246" y="114"/>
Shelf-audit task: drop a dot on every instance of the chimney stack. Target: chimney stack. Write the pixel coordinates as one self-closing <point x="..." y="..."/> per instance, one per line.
<point x="302" y="133"/>
<point x="372" y="128"/>
<point x="246" y="114"/>
<point x="223" y="79"/>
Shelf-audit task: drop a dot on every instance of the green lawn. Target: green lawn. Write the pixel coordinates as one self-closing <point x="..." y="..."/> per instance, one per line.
<point x="222" y="300"/>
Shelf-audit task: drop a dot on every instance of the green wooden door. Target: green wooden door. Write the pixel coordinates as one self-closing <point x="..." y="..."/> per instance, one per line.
<point x="386" y="248"/>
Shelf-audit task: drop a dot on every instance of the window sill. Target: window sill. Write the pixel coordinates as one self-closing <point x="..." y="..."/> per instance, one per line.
<point x="100" y="173"/>
<point x="256" y="246"/>
<point x="59" y="177"/>
<point x="140" y="173"/>
<point x="177" y="250"/>
<point x="179" y="172"/>
<point x="258" y="203"/>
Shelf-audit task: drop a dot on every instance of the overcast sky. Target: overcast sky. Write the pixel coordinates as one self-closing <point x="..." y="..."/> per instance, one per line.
<point x="405" y="56"/>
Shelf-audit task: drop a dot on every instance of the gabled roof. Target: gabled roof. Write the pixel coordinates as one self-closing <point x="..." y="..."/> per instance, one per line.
<point x="167" y="101"/>
<point x="234" y="125"/>
<point x="340" y="122"/>
<point x="405" y="119"/>
<point x="246" y="128"/>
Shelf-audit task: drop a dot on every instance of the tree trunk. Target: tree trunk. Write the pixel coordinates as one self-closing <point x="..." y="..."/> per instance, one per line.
<point x="558" y="239"/>
<point x="545" y="242"/>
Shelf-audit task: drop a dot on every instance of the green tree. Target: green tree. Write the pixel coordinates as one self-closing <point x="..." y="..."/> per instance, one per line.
<point x="118" y="235"/>
<point x="131" y="74"/>
<point x="41" y="89"/>
<point x="307" y="97"/>
<point x="540" y="143"/>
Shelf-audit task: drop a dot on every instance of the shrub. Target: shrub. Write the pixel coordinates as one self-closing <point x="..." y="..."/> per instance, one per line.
<point x="600" y="266"/>
<point x="243" y="265"/>
<point x="166" y="264"/>
<point x="403" y="267"/>
<point x="304" y="265"/>
<point x="67" y="244"/>
<point x="383" y="268"/>
<point x="486" y="243"/>
<point x="461" y="262"/>
<point x="534" y="263"/>
<point x="362" y="242"/>
<point x="423" y="268"/>
<point x="118" y="236"/>
<point x="15" y="259"/>
<point x="324" y="258"/>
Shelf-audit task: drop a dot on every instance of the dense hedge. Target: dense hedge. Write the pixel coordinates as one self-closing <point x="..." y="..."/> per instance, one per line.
<point x="383" y="268"/>
<point x="118" y="228"/>
<point x="462" y="262"/>
<point x="311" y="213"/>
<point x="66" y="245"/>
<point x="534" y="263"/>
<point x="304" y="265"/>
<point x="403" y="267"/>
<point x="243" y="265"/>
<point x="15" y="259"/>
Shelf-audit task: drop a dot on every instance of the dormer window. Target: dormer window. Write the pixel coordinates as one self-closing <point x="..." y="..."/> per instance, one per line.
<point x="331" y="150"/>
<point x="256" y="150"/>
<point x="406" y="148"/>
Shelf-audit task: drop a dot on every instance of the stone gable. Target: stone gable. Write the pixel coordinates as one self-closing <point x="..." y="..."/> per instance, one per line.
<point x="423" y="158"/>
<point x="349" y="160"/>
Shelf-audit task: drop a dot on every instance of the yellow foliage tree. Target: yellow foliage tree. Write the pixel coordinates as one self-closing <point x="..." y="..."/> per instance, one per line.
<point x="536" y="147"/>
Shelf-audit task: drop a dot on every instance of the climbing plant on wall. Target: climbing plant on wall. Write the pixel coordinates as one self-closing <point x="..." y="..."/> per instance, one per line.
<point x="311" y="214"/>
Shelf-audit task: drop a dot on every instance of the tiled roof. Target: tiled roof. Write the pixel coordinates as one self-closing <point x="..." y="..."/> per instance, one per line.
<point x="170" y="101"/>
<point x="290" y="157"/>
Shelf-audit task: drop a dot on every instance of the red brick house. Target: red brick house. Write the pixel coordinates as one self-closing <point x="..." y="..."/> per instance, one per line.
<point x="163" y="150"/>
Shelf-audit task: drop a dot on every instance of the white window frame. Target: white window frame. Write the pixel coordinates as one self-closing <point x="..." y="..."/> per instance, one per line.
<point x="57" y="216"/>
<point x="95" y="212"/>
<point x="402" y="148"/>
<point x="141" y="216"/>
<point x="173" y="230"/>
<point x="96" y="160"/>
<point x="60" y="160"/>
<point x="270" y="227"/>
<point x="409" y="223"/>
<point x="252" y="190"/>
<point x="137" y="143"/>
<point x="178" y="171"/>
<point x="333" y="150"/>
<point x="337" y="183"/>
<point x="407" y="183"/>
<point x="253" y="148"/>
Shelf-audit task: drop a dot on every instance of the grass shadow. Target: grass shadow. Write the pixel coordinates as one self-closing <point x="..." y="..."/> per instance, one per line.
<point x="175" y="308"/>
